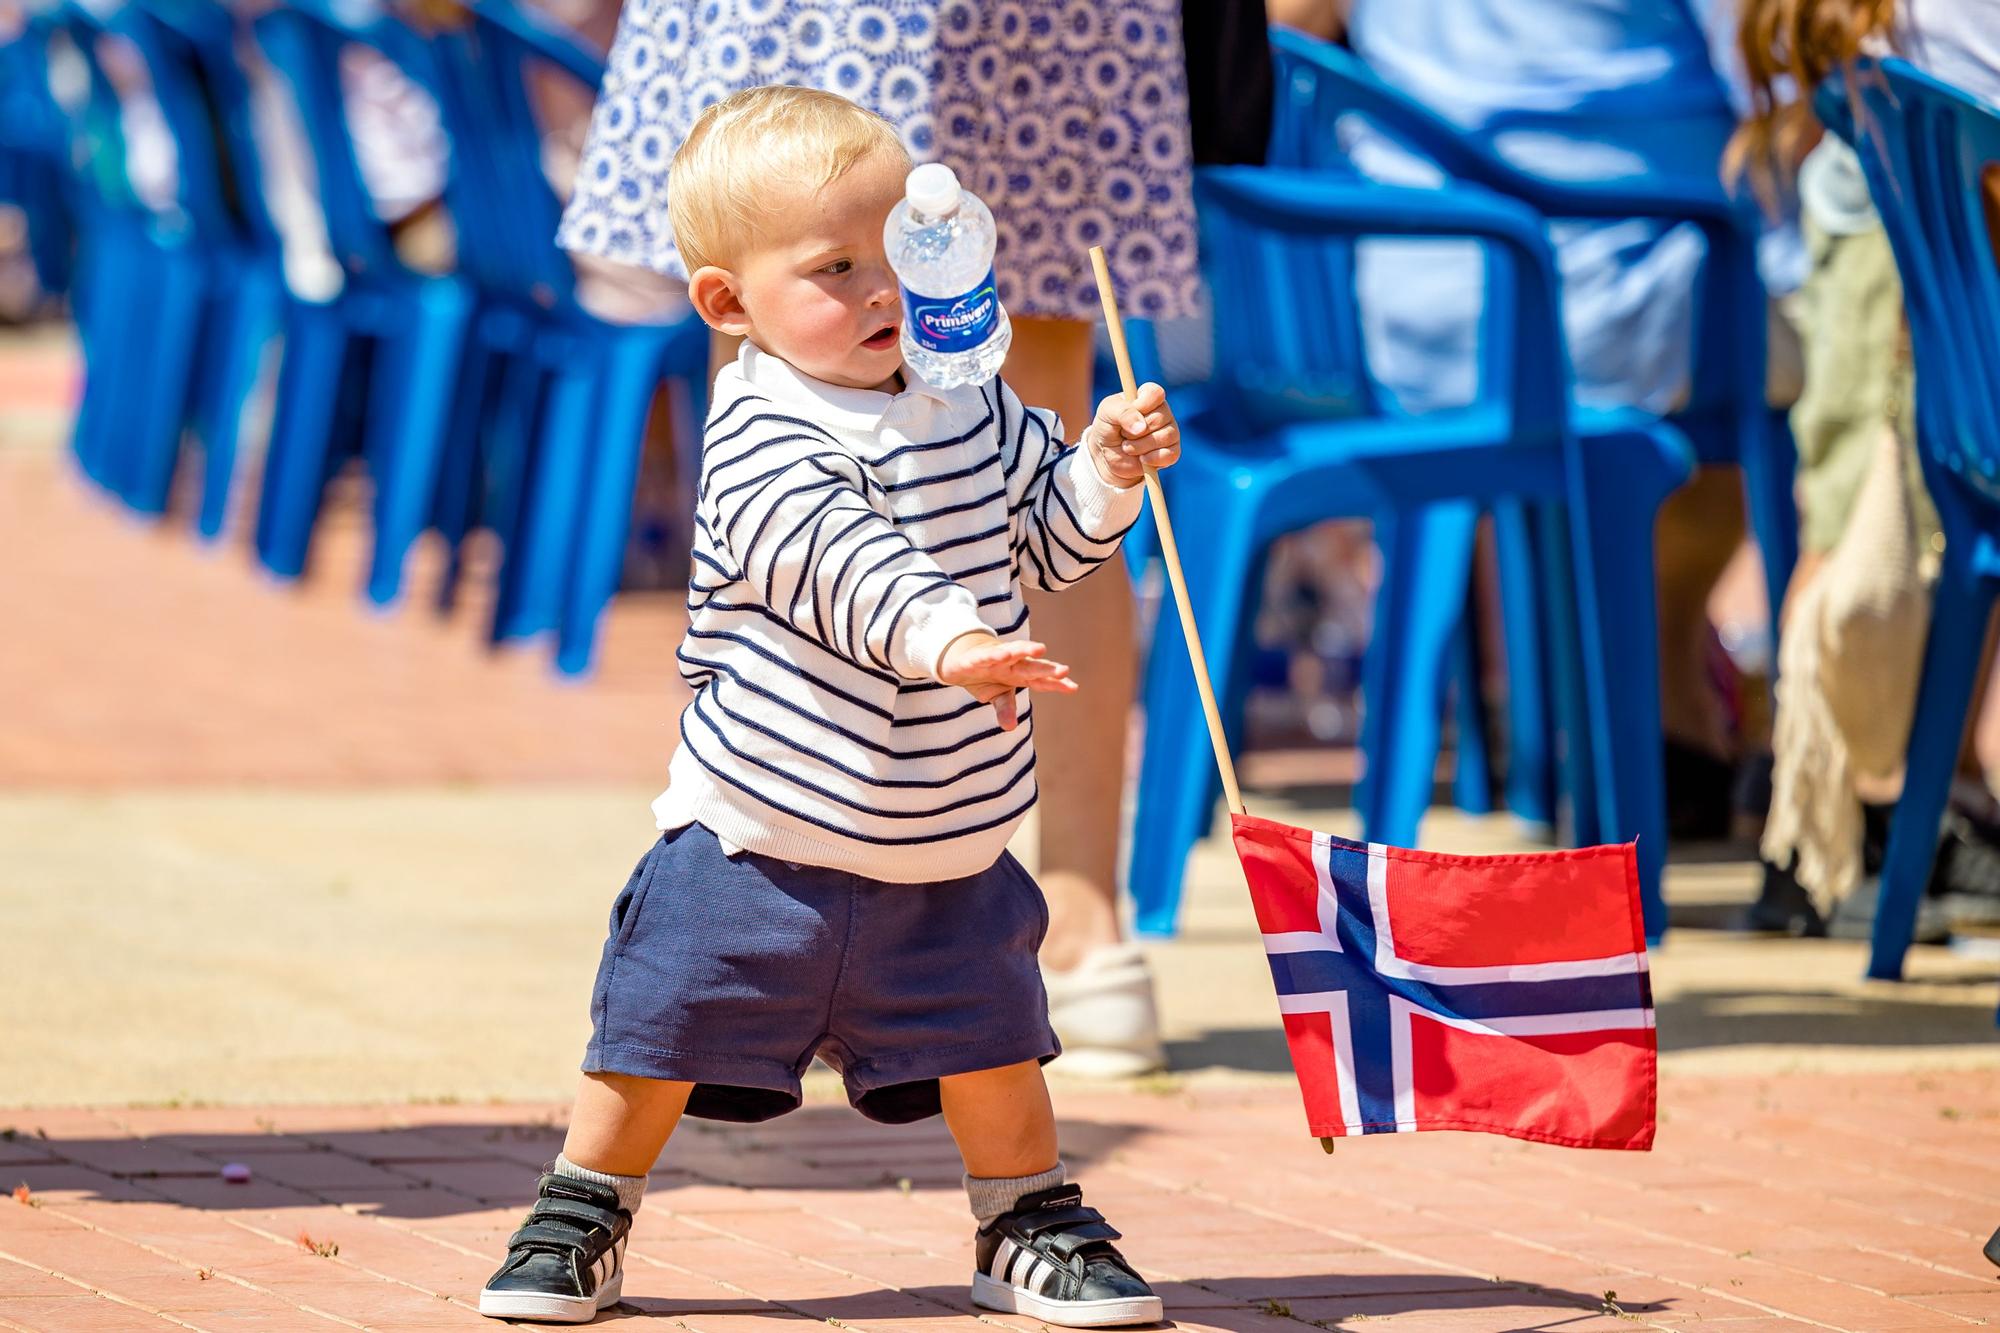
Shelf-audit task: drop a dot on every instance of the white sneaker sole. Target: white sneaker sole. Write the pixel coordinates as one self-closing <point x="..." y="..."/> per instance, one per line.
<point x="990" y="1293"/>
<point x="550" y="1309"/>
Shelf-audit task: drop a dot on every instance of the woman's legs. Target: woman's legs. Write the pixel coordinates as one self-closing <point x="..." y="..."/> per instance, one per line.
<point x="1080" y="739"/>
<point x="1700" y="527"/>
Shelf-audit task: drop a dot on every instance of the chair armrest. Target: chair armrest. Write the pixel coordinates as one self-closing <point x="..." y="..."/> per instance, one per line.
<point x="1308" y="201"/>
<point x="1533" y="363"/>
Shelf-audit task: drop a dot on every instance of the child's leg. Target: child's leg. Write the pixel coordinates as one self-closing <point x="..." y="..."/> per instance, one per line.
<point x="1039" y="1250"/>
<point x="566" y="1262"/>
<point x="620" y="1123"/>
<point x="1002" y="1120"/>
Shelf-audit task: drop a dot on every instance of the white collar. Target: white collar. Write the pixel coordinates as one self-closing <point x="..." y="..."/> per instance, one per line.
<point x="860" y="409"/>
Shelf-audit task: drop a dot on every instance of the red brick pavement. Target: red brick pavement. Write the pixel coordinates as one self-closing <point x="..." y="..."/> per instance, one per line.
<point x="135" y="655"/>
<point x="1850" y="1202"/>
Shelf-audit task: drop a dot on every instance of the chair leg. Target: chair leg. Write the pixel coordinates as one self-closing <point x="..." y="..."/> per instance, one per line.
<point x="536" y="563"/>
<point x="249" y="316"/>
<point x="410" y="415"/>
<point x="1770" y="461"/>
<point x="108" y="266"/>
<point x="455" y="505"/>
<point x="1951" y="660"/>
<point x="631" y="375"/>
<point x="1624" y="478"/>
<point x="1472" y="760"/>
<point x="1175" y="802"/>
<point x="160" y="389"/>
<point x="295" y="465"/>
<point x="1530" y="754"/>
<point x="1426" y="567"/>
<point x="1579" y="821"/>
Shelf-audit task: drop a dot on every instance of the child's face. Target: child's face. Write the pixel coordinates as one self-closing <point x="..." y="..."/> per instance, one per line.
<point x="819" y="293"/>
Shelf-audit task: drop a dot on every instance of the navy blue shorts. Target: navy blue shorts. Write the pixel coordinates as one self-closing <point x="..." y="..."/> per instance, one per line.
<point x="731" y="973"/>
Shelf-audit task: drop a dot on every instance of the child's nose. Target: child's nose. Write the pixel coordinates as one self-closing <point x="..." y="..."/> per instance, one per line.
<point x="884" y="292"/>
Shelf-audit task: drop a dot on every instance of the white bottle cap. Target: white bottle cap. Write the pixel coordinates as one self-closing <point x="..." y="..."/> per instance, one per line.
<point x="933" y="190"/>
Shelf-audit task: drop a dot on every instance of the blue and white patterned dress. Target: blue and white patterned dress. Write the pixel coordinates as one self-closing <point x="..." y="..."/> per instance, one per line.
<point x="1068" y="117"/>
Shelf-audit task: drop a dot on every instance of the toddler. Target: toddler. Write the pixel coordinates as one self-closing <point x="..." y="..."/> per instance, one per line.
<point x="832" y="877"/>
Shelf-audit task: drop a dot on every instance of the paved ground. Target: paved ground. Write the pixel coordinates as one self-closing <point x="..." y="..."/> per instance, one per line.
<point x="315" y="890"/>
<point x="1840" y="1202"/>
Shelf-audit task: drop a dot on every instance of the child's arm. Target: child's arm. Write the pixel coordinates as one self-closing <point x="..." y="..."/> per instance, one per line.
<point x="1071" y="506"/>
<point x="792" y="511"/>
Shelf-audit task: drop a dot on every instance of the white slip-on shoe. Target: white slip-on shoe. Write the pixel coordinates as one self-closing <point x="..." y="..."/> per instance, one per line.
<point x="1103" y="1012"/>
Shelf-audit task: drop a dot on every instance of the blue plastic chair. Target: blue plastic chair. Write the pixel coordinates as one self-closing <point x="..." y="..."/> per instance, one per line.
<point x="136" y="371"/>
<point x="1925" y="146"/>
<point x="567" y="392"/>
<point x="1726" y="418"/>
<point x="219" y="272"/>
<point x="1273" y="446"/>
<point x="395" y="335"/>
<point x="33" y="149"/>
<point x="193" y="43"/>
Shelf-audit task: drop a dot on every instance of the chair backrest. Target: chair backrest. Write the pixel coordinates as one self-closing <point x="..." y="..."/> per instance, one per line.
<point x="1926" y="146"/>
<point x="486" y="70"/>
<point x="93" y="117"/>
<point x="304" y="42"/>
<point x="1288" y="341"/>
<point x="1319" y="83"/>
<point x="204" y="34"/>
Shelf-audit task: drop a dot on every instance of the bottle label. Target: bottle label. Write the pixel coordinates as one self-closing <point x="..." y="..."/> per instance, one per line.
<point x="953" y="323"/>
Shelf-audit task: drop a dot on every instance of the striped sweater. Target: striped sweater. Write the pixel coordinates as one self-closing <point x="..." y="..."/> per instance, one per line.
<point x="843" y="538"/>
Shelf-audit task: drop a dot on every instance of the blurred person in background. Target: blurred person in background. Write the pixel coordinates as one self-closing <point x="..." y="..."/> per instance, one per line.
<point x="1579" y="90"/>
<point x="1071" y="121"/>
<point x="1869" y="538"/>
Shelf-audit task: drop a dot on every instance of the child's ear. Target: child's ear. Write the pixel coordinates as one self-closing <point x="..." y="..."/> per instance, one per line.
<point x="717" y="300"/>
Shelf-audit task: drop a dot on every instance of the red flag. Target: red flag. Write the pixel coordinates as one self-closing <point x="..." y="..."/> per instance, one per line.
<point x="1506" y="994"/>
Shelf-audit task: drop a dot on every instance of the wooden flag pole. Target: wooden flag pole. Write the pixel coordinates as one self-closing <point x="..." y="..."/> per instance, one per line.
<point x="1168" y="549"/>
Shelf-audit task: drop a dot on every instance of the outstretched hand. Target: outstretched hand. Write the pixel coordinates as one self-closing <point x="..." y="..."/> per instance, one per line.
<point x="992" y="669"/>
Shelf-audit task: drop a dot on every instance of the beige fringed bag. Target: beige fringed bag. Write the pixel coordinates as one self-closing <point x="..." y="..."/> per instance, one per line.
<point x="1848" y="670"/>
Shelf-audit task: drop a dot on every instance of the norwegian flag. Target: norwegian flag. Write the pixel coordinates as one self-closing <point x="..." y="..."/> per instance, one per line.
<point x="1507" y="994"/>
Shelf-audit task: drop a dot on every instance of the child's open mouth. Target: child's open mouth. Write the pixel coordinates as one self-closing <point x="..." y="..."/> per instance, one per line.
<point x="882" y="338"/>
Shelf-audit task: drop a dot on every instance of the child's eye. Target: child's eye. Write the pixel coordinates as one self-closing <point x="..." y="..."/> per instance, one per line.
<point x="838" y="267"/>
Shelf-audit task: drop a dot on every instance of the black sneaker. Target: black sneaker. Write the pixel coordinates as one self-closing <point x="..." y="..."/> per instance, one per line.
<point x="1052" y="1259"/>
<point x="567" y="1261"/>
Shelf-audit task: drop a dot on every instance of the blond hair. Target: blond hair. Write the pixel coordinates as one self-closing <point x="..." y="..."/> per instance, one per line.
<point x="719" y="193"/>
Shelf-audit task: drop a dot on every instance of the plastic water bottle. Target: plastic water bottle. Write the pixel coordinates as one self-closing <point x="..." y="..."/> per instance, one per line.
<point x="940" y="242"/>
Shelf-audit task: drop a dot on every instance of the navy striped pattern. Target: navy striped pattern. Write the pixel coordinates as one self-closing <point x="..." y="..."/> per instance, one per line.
<point x="842" y="540"/>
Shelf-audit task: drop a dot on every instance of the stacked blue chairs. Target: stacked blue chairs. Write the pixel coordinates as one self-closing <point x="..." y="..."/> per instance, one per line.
<point x="194" y="47"/>
<point x="1274" y="447"/>
<point x="568" y="391"/>
<point x="392" y="335"/>
<point x="33" y="153"/>
<point x="1726" y="418"/>
<point x="131" y="240"/>
<point x="1928" y="149"/>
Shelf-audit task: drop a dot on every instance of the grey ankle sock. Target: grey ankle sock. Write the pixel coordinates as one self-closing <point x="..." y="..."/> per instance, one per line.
<point x="992" y="1196"/>
<point x="631" y="1189"/>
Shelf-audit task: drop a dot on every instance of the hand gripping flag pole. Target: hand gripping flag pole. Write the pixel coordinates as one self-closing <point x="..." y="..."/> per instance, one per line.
<point x="1501" y="994"/>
